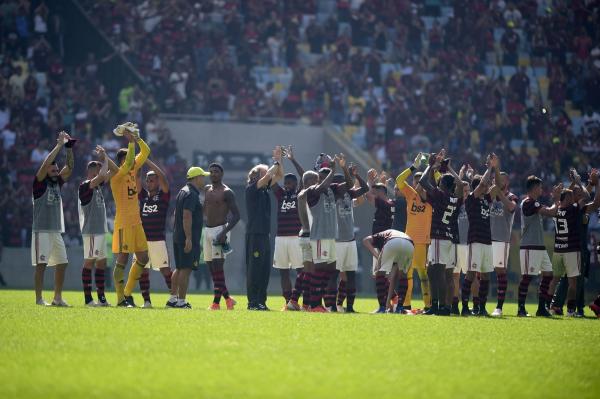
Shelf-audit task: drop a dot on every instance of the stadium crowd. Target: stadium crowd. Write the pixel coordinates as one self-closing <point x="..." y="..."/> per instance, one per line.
<point x="39" y="96"/>
<point x="521" y="78"/>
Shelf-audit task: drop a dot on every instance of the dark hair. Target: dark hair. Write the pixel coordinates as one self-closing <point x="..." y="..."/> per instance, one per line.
<point x="532" y="182"/>
<point x="447" y="181"/>
<point x="338" y="178"/>
<point x="475" y="182"/>
<point x="564" y="193"/>
<point x="324" y="170"/>
<point x="216" y="165"/>
<point x="93" y="164"/>
<point x="121" y="154"/>
<point x="380" y="186"/>
<point x="290" y="176"/>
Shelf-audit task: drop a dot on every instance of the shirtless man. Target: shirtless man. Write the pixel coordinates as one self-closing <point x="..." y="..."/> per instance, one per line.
<point x="219" y="202"/>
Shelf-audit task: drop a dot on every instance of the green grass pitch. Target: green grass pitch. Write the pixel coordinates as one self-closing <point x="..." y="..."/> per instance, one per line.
<point x="142" y="353"/>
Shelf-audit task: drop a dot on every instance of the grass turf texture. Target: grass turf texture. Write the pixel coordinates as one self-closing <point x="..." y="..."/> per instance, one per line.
<point x="137" y="353"/>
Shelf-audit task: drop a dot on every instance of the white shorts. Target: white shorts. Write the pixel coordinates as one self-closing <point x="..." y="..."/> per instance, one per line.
<point x="480" y="258"/>
<point x="158" y="255"/>
<point x="347" y="256"/>
<point x="500" y="252"/>
<point x="94" y="246"/>
<point x="48" y="248"/>
<point x="306" y="249"/>
<point x="399" y="251"/>
<point x="534" y="260"/>
<point x="209" y="235"/>
<point x="568" y="263"/>
<point x="323" y="251"/>
<point x="462" y="255"/>
<point x="288" y="254"/>
<point x="442" y="252"/>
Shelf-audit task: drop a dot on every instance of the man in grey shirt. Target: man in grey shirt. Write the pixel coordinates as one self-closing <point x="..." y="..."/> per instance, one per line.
<point x="502" y="214"/>
<point x="92" y="221"/>
<point x="533" y="255"/>
<point x="47" y="245"/>
<point x="345" y="245"/>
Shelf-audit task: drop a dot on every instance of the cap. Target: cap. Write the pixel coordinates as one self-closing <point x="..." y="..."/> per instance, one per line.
<point x="196" y="171"/>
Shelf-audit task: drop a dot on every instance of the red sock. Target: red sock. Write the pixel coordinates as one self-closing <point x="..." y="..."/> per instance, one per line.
<point x="484" y="288"/>
<point x="544" y="287"/>
<point x="502" y="286"/>
<point x="523" y="288"/>
<point x="86" y="279"/>
<point x="380" y="284"/>
<point x="100" y="283"/>
<point x="168" y="278"/>
<point x="298" y="287"/>
<point x="402" y="288"/>
<point x="145" y="285"/>
<point x="341" y="292"/>
<point x="466" y="293"/>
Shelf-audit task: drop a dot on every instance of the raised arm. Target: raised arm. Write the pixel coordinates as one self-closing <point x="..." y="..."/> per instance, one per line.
<point x="482" y="187"/>
<point x="363" y="187"/>
<point x="273" y="173"/>
<point x="67" y="170"/>
<point x="458" y="191"/>
<point x="141" y="158"/>
<point x="593" y="206"/>
<point x="401" y="178"/>
<point x="299" y="168"/>
<point x="341" y="160"/>
<point x="552" y="210"/>
<point x="102" y="175"/>
<point x="229" y="197"/>
<point x="43" y="170"/>
<point x="506" y="202"/>
<point x="162" y="178"/>
<point x="324" y="185"/>
<point x="130" y="158"/>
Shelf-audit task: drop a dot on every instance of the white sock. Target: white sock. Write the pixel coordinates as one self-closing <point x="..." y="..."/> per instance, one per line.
<point x="173" y="298"/>
<point x="181" y="302"/>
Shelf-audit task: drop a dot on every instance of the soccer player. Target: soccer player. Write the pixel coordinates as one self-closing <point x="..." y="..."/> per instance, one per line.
<point x="479" y="238"/>
<point x="288" y="254"/>
<point x="394" y="251"/>
<point x="218" y="204"/>
<point x="320" y="197"/>
<point x="382" y="220"/>
<point x="560" y="291"/>
<point x="502" y="214"/>
<point x="47" y="245"/>
<point x="345" y="245"/>
<point x="462" y="250"/>
<point x="418" y="227"/>
<point x="92" y="222"/>
<point x="304" y="239"/>
<point x="128" y="236"/>
<point x="446" y="200"/>
<point x="154" y="204"/>
<point x="567" y="242"/>
<point x="258" y="230"/>
<point x="532" y="254"/>
<point x="187" y="231"/>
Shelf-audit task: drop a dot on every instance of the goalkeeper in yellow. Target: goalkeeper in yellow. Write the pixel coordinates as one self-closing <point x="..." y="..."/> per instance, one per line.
<point x="128" y="235"/>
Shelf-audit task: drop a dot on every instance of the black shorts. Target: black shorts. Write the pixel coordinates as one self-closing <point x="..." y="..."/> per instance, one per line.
<point x="189" y="260"/>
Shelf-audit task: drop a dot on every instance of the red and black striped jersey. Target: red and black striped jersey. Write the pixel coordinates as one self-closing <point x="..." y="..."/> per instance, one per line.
<point x="478" y="212"/>
<point x="444" y="220"/>
<point x="384" y="215"/>
<point x="288" y="221"/>
<point x="153" y="210"/>
<point x="567" y="223"/>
